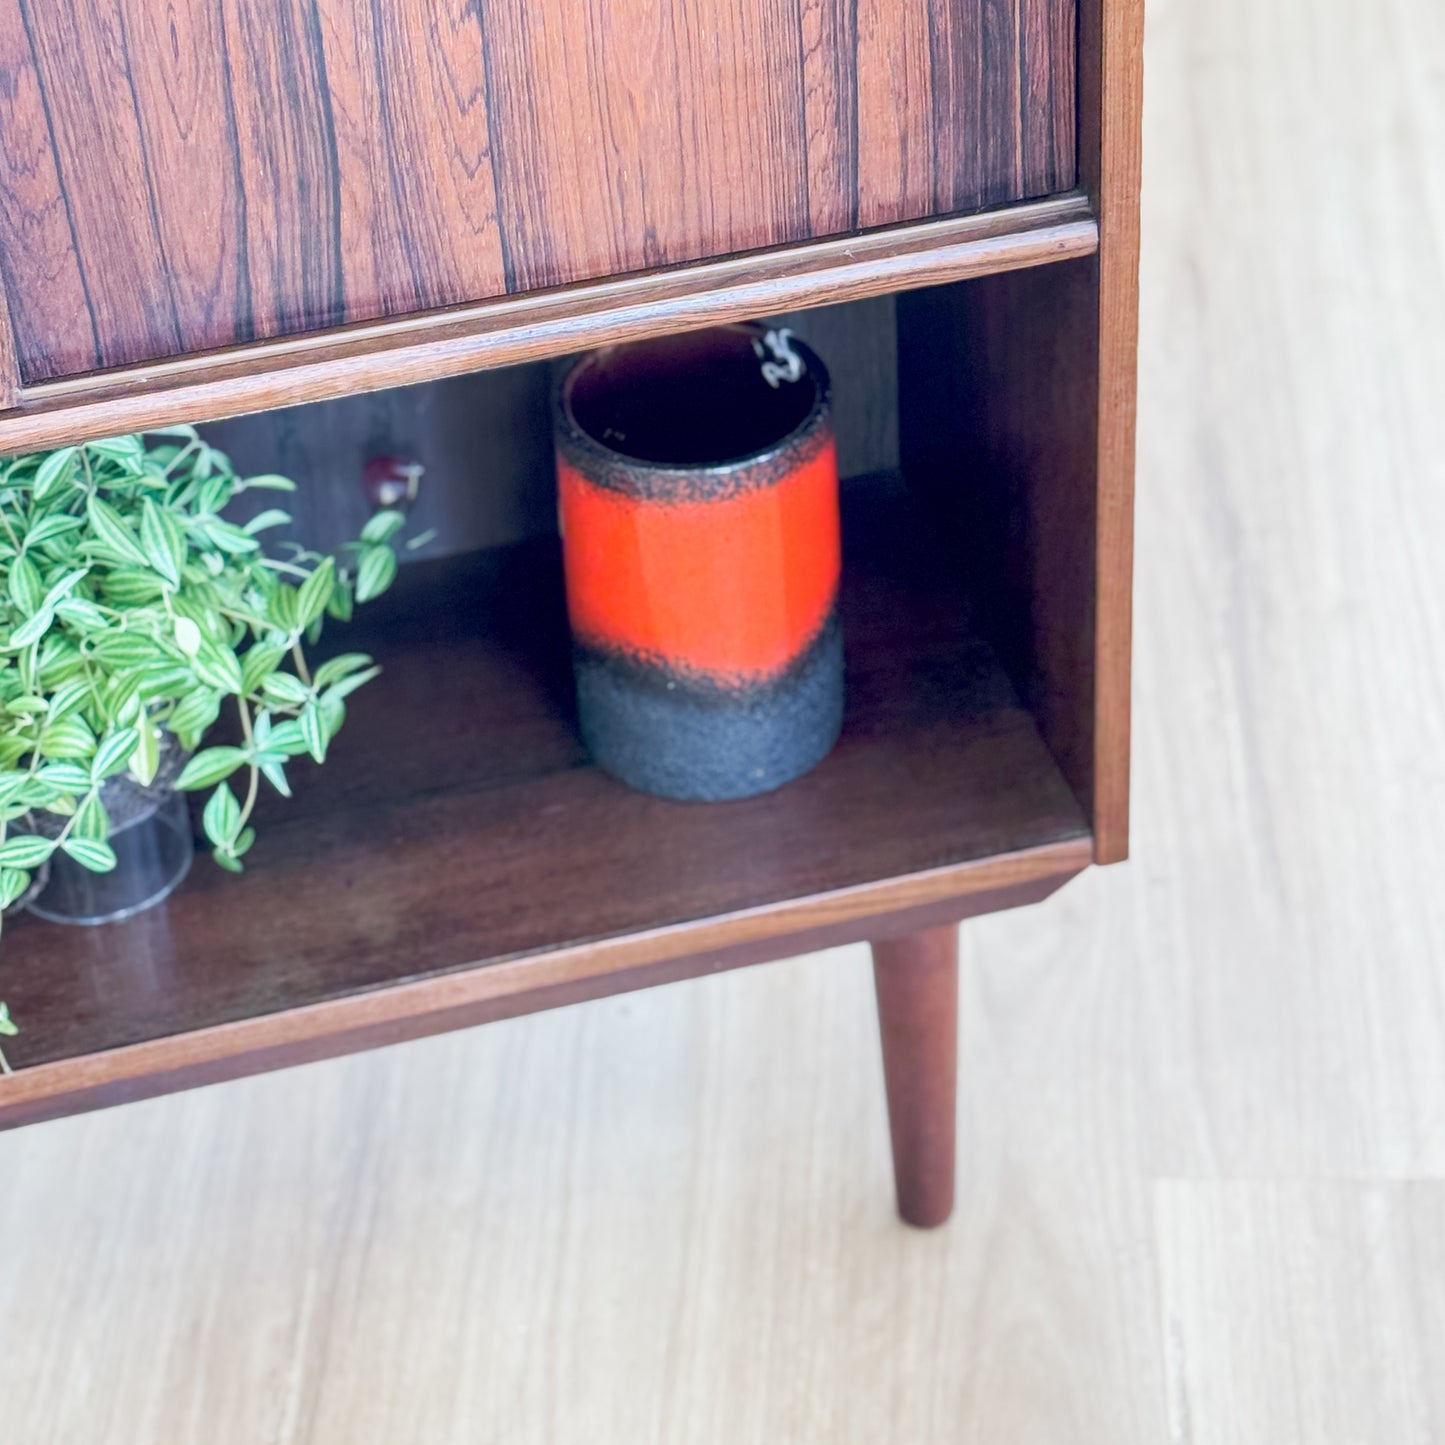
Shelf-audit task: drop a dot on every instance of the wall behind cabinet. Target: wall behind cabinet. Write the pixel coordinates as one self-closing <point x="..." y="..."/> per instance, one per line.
<point x="485" y="439"/>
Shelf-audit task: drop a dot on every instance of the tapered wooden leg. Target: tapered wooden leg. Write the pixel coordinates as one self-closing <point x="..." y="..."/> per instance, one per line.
<point x="917" y="982"/>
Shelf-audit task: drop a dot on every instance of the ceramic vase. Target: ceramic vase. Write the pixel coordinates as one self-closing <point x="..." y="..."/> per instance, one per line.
<point x="698" y="498"/>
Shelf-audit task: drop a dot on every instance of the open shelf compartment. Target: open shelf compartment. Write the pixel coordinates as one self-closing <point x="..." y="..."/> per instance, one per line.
<point x="458" y="858"/>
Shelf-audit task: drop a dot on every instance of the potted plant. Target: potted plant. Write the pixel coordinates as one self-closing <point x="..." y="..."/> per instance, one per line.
<point x="132" y="614"/>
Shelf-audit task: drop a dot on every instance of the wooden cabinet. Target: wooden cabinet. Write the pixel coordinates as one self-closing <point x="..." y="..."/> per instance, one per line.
<point x="217" y="207"/>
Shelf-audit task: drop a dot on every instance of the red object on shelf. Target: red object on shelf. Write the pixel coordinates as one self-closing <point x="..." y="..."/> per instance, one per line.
<point x="391" y="481"/>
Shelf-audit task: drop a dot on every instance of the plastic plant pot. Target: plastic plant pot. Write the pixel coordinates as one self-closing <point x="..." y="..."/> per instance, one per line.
<point x="151" y="835"/>
<point x="153" y="852"/>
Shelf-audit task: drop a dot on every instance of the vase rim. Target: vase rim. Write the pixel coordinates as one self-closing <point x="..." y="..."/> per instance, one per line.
<point x="595" y="457"/>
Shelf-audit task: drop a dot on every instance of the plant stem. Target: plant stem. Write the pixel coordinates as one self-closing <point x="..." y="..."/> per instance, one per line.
<point x="299" y="657"/>
<point x="277" y="565"/>
<point x="176" y="460"/>
<point x="254" y="785"/>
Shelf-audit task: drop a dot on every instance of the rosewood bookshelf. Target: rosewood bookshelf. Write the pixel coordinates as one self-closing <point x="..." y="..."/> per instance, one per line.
<point x="319" y="225"/>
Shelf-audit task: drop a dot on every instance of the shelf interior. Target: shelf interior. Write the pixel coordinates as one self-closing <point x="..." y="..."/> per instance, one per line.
<point x="459" y="822"/>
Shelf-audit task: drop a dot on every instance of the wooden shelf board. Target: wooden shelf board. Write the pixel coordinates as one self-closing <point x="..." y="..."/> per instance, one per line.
<point x="409" y="350"/>
<point x="458" y="858"/>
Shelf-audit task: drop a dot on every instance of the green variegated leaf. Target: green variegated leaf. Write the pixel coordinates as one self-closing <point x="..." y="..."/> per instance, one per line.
<point x="374" y="572"/>
<point x="126" y="649"/>
<point x="82" y="615"/>
<point x="25" y="587"/>
<point x="147" y="755"/>
<point x="127" y="588"/>
<point x="287" y="738"/>
<point x="271" y="517"/>
<point x="188" y="636"/>
<point x="122" y="699"/>
<point x="91" y="820"/>
<point x="163" y="540"/>
<point x="113" y="753"/>
<point x="90" y="853"/>
<point x="49" y="528"/>
<point x="335" y="668"/>
<point x="383" y="526"/>
<point x="61" y="661"/>
<point x="194" y="714"/>
<point x="13" y="882"/>
<point x="333" y="714"/>
<point x="270" y="482"/>
<point x="67" y="697"/>
<point x="64" y="586"/>
<point x="261" y="659"/>
<point x="25" y="850"/>
<point x="273" y="769"/>
<point x="314" y="730"/>
<point x="342" y="602"/>
<point x="226" y="536"/>
<point x="128" y="450"/>
<point x="348" y="685"/>
<point x="286" y="690"/>
<point x="222" y="816"/>
<point x="210" y="767"/>
<point x="67" y="738"/>
<point x="12" y="784"/>
<point x="164" y="679"/>
<point x="218" y="667"/>
<point x="56" y="470"/>
<point x="32" y="630"/>
<point x="315" y="593"/>
<point x="112" y="533"/>
<point x="281" y="608"/>
<point x="67" y="777"/>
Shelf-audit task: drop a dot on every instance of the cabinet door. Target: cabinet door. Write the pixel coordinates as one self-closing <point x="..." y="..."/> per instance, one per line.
<point x="182" y="175"/>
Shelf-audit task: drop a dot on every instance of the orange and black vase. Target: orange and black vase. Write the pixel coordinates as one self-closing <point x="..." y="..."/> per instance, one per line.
<point x="698" y="493"/>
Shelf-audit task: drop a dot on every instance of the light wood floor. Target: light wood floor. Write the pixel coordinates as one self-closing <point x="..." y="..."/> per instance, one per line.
<point x="1203" y="1108"/>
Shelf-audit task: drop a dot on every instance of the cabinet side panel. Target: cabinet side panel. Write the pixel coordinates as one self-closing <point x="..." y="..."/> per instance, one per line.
<point x="998" y="387"/>
<point x="1017" y="414"/>
<point x="1111" y="63"/>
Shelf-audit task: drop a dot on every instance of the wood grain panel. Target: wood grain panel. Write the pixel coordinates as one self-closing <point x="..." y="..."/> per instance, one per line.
<point x="231" y="170"/>
<point x="829" y="34"/>
<point x="895" y="126"/>
<point x="187" y="131"/>
<point x="39" y="267"/>
<point x="104" y="183"/>
<point x="297" y="370"/>
<point x="285" y="142"/>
